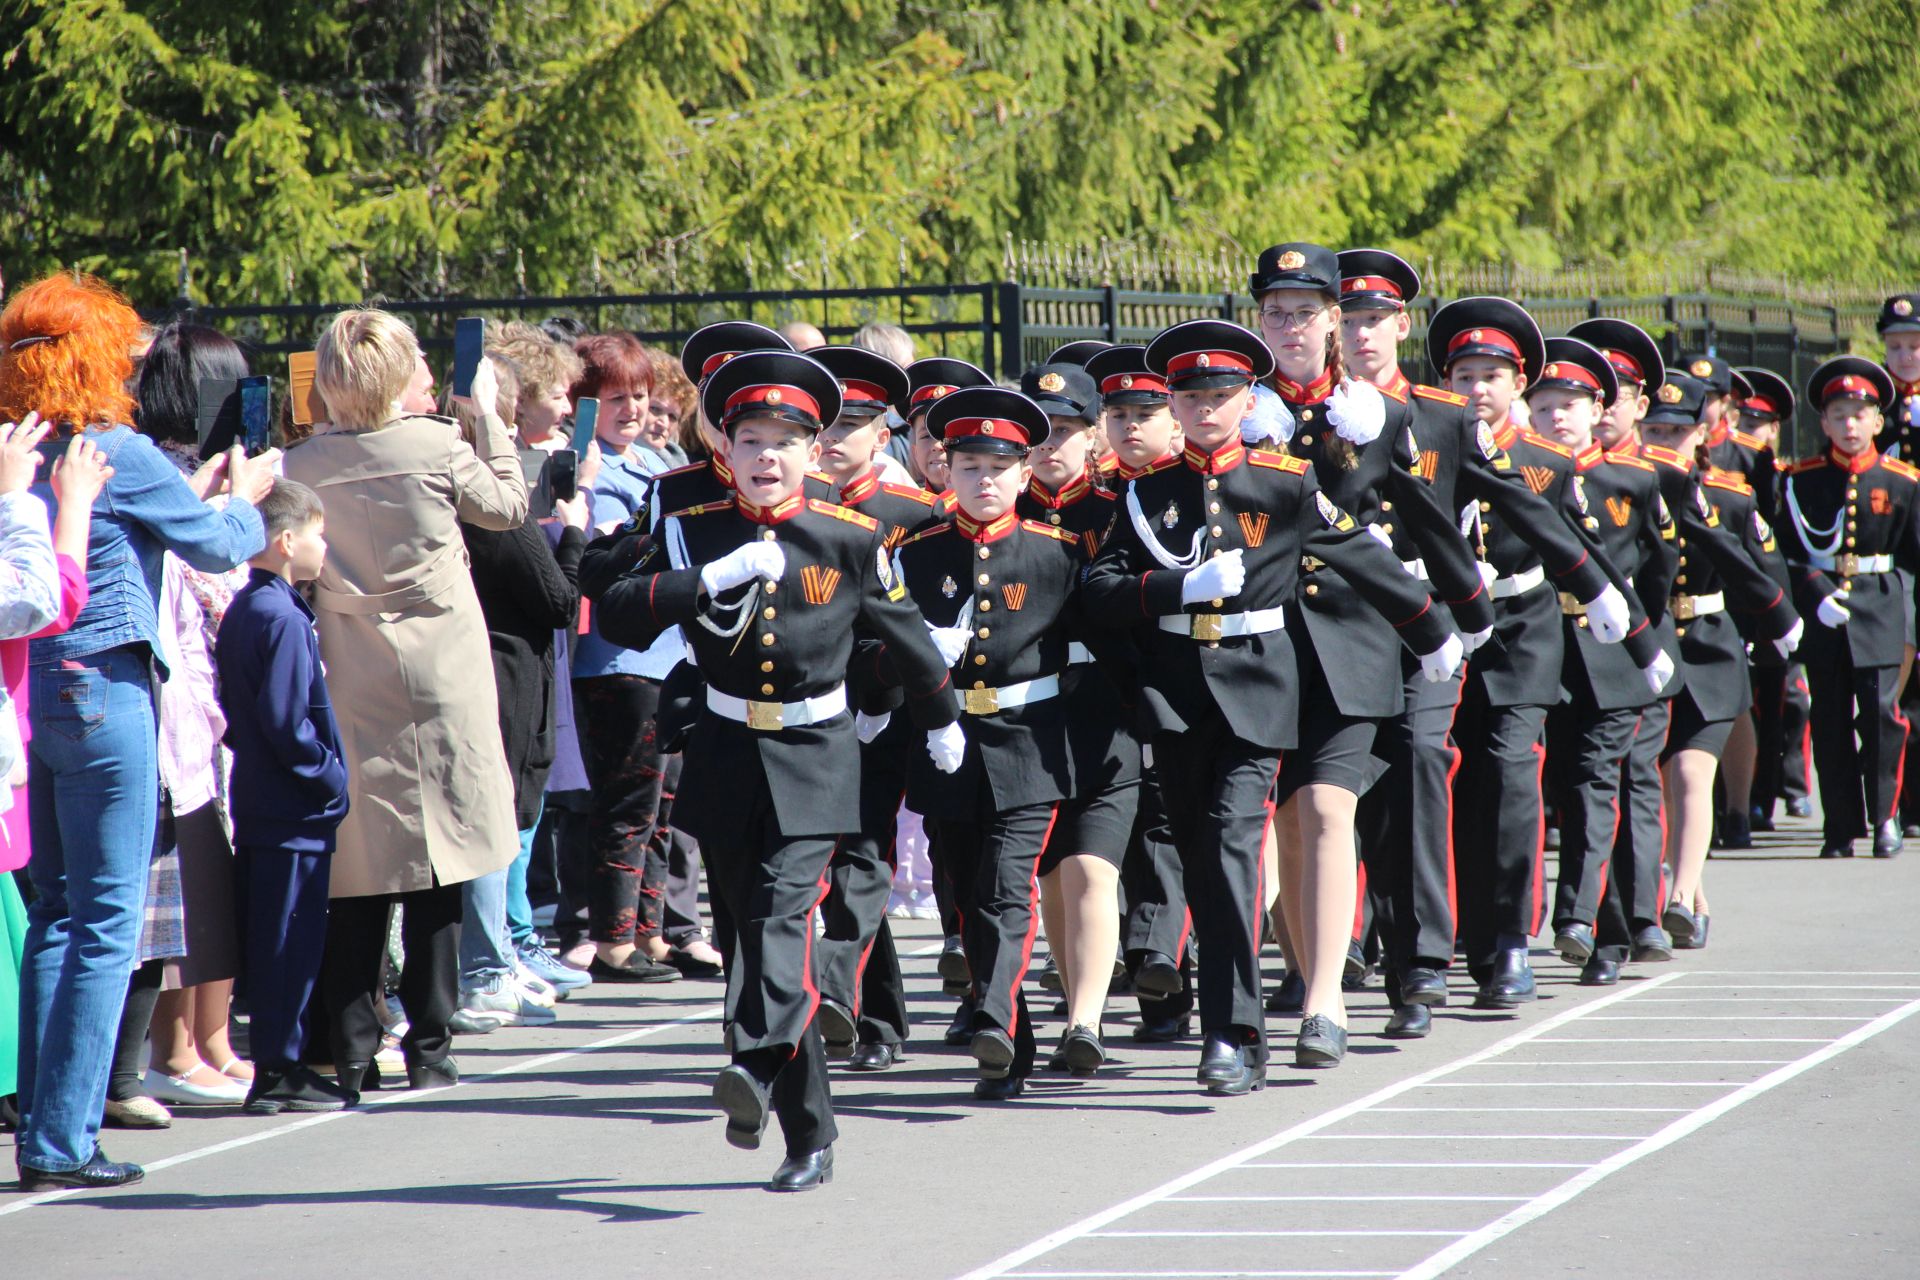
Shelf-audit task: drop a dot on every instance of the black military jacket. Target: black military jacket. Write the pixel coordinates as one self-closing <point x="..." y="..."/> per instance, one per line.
<point x="1732" y="450"/>
<point x="1833" y="508"/>
<point x="1616" y="498"/>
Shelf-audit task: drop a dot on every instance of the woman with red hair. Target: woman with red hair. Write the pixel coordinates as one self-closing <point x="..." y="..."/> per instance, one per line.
<point x="66" y="353"/>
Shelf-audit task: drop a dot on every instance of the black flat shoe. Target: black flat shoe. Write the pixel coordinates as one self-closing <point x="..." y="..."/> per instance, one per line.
<point x="1735" y="832"/>
<point x="804" y="1173"/>
<point x="1652" y="946"/>
<point x="357" y="1078"/>
<point x="1699" y="939"/>
<point x="1679" y="924"/>
<point x="1424" y="986"/>
<point x="1050" y="979"/>
<point x="1510" y="984"/>
<point x="692" y="966"/>
<point x="1228" y="1069"/>
<point x="960" y="1031"/>
<point x="1290" y="996"/>
<point x="1356" y="971"/>
<point x="297" y="1090"/>
<point x="874" y="1057"/>
<point x="433" y="1075"/>
<point x="1162" y="1030"/>
<point x="1887" y="840"/>
<point x="638" y="968"/>
<point x="956" y="975"/>
<point x="1082" y="1051"/>
<point x="1321" y="1043"/>
<point x="993" y="1051"/>
<point x="97" y="1172"/>
<point x="1005" y="1089"/>
<point x="1409" y="1022"/>
<point x="836" y="1027"/>
<point x="1600" y="972"/>
<point x="1837" y="849"/>
<point x="1760" y="819"/>
<point x="746" y="1103"/>
<point x="1158" y="977"/>
<point x="1574" y="942"/>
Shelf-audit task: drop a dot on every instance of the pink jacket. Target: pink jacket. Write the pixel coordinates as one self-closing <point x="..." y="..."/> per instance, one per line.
<point x="15" y="844"/>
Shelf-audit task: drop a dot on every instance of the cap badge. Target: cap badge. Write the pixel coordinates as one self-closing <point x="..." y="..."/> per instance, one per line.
<point x="774" y="396"/>
<point x="1204" y="361"/>
<point x="1552" y="371"/>
<point x="1701" y="368"/>
<point x="1171" y="516"/>
<point x="1474" y="336"/>
<point x="1292" y="260"/>
<point x="948" y="587"/>
<point x="1669" y="394"/>
<point x="1051" y="382"/>
<point x="1902" y="307"/>
<point x="1126" y="380"/>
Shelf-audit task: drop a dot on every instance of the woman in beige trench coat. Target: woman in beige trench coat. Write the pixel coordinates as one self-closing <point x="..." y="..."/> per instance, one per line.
<point x="409" y="675"/>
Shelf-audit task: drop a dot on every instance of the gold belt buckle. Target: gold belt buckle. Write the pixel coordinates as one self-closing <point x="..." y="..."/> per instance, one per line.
<point x="1682" y="608"/>
<point x="1848" y="565"/>
<point x="1205" y="626"/>
<point x="1570" y="605"/>
<point x="766" y="716"/>
<point x="980" y="702"/>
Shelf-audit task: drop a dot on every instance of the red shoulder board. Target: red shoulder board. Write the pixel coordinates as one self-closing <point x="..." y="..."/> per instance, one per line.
<point x="839" y="512"/>
<point x="1806" y="464"/>
<point x="1396" y="394"/>
<point x="943" y="527"/>
<point x="723" y="504"/>
<point x="1277" y="461"/>
<point x="1746" y="441"/>
<point x="1668" y="456"/>
<point x="1905" y="470"/>
<point x="920" y="496"/>
<point x="1059" y="535"/>
<point x="1727" y="480"/>
<point x="1435" y="393"/>
<point x="1535" y="438"/>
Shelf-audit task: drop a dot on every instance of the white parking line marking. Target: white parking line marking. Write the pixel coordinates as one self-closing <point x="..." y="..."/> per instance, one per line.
<point x="1586" y="1084"/>
<point x="1274" y="1234"/>
<point x="1411" y="1164"/>
<point x="1736" y="1017"/>
<point x="1638" y="1062"/>
<point x="1686" y="1040"/>
<point x="1469" y="1137"/>
<point x="1774" y="1000"/>
<point x="1502" y="1111"/>
<point x="1199" y="1275"/>
<point x="1337" y="1199"/>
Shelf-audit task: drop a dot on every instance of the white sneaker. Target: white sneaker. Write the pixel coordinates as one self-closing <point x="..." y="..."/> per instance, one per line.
<point x="501" y="1003"/>
<point x="182" y="1091"/>
<point x="924" y="906"/>
<point x="535" y="987"/>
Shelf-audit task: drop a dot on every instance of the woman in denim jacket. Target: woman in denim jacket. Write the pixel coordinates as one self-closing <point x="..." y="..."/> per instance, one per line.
<point x="66" y="346"/>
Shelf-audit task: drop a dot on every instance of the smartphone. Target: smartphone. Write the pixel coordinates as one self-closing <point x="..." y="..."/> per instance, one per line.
<point x="469" y="344"/>
<point x="586" y="413"/>
<point x="219" y="414"/>
<point x="256" y="415"/>
<point x="307" y="406"/>
<point x="563" y="474"/>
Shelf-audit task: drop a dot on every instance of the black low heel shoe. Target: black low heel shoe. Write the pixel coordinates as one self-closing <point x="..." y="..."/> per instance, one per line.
<point x="1321" y="1043"/>
<point x="95" y="1173"/>
<point x="804" y="1173"/>
<point x="433" y="1075"/>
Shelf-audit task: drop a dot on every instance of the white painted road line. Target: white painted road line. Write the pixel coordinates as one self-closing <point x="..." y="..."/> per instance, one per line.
<point x="1640" y="1062"/>
<point x="1339" y="1199"/>
<point x="1199" y="1275"/>
<point x="1686" y="1040"/>
<point x="1411" y="1164"/>
<point x="1502" y="1111"/>
<point x="1469" y="1137"/>
<point x="1275" y="1234"/>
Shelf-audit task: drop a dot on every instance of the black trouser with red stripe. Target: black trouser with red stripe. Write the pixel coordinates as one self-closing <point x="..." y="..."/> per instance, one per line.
<point x="993" y="867"/>
<point x="1216" y="787"/>
<point x="1497" y="824"/>
<point x="1593" y="764"/>
<point x="1157" y="918"/>
<point x="1405" y="823"/>
<point x="1780" y="725"/>
<point x="1850" y="700"/>
<point x="771" y="884"/>
<point x="859" y="969"/>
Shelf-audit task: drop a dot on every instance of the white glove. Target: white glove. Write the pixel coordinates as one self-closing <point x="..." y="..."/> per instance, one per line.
<point x="1787" y="643"/>
<point x="950" y="641"/>
<point x="1659" y="671"/>
<point x="1381" y="536"/>
<point x="1444" y="661"/>
<point x="1488" y="574"/>
<point x="867" y="728"/>
<point x="1833" y="611"/>
<point x="1218" y="578"/>
<point x="1472" y="640"/>
<point x="744" y="564"/>
<point x="1608" y="614"/>
<point x="947" y="746"/>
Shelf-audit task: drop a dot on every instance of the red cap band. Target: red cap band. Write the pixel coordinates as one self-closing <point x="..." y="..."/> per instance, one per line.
<point x="1370" y="284"/>
<point x="714" y="361"/>
<point x="992" y="428"/>
<point x="769" y="396"/>
<point x="1763" y="406"/>
<point x="1211" y="361"/>
<point x="1850" y="385"/>
<point x="1625" y="365"/>
<point x="1486" y="338"/>
<point x="1133" y="382"/>
<point x="854" y="389"/>
<point x="930" y="393"/>
<point x="1567" y="371"/>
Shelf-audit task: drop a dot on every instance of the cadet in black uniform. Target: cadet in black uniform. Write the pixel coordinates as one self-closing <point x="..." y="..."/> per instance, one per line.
<point x="1899" y="328"/>
<point x="1617" y="499"/>
<point x="1208" y="551"/>
<point x="1488" y="348"/>
<point x="994" y="589"/>
<point x="1853" y="540"/>
<point x="772" y="587"/>
<point x="863" y="1005"/>
<point x="1727" y="558"/>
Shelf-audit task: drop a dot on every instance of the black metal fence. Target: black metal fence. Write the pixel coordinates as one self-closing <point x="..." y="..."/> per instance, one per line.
<point x="1007" y="326"/>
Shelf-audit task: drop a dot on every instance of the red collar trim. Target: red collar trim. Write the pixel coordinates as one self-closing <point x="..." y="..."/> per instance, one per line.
<point x="1861" y="461"/>
<point x="861" y="487"/>
<point x="973" y="531"/>
<point x="1506" y="433"/>
<point x="1124" y="472"/>
<point x="721" y="471"/>
<point x="1590" y="456"/>
<point x="1397" y="386"/>
<point x="1902" y="390"/>
<point x="775" y="514"/>
<point x="1076" y="489"/>
<point x="1718" y="434"/>
<point x="1312" y="393"/>
<point x="1225" y="458"/>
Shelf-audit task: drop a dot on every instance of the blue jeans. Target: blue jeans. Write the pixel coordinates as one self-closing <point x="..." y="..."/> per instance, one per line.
<point x="94" y="787"/>
<point x="486" y="951"/>
<point x="519" y="906"/>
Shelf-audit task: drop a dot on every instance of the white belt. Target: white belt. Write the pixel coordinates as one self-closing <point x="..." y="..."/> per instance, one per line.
<point x="1687" y="608"/>
<point x="1078" y="653"/>
<point x="770" y="716"/>
<point x="1852" y="565"/>
<point x="1416" y="568"/>
<point x="985" y="702"/>
<point x="1519" y="584"/>
<point x="1224" y="626"/>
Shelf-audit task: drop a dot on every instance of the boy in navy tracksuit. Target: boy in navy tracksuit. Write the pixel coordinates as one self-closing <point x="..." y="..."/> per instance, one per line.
<point x="289" y="793"/>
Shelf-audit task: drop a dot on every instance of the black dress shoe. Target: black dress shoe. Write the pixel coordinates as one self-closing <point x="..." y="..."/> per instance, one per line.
<point x="1158" y="976"/>
<point x="1354" y="975"/>
<point x="692" y="966"/>
<point x="1290" y="996"/>
<point x="1910" y="829"/>
<point x="1735" y="833"/>
<point x="960" y="1031"/>
<point x="1887" y="840"/>
<point x="956" y="975"/>
<point x="1409" y="1022"/>
<point x="1699" y="939"/>
<point x="1599" y="972"/>
<point x="1800" y="807"/>
<point x="993" y="1051"/>
<point x="1836" y="849"/>
<point x="1004" y="1089"/>
<point x="1081" y="1051"/>
<point x="98" y="1171"/>
<point x="804" y="1173"/>
<point x="1321" y="1043"/>
<point x="1154" y="1030"/>
<point x="1574" y="942"/>
<point x="1228" y="1069"/>
<point x="1050" y="979"/>
<point x="1652" y="946"/>
<point x="356" y="1078"/>
<point x="874" y="1057"/>
<point x="1679" y="924"/>
<point x="1423" y="986"/>
<point x="1510" y="984"/>
<point x="638" y="967"/>
<point x="297" y="1090"/>
<point x="836" y="1027"/>
<point x="1761" y="818"/>
<point x="433" y="1075"/>
<point x="746" y="1103"/>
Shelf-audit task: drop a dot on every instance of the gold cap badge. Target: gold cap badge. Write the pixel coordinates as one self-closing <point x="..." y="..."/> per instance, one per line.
<point x="1701" y="368"/>
<point x="1474" y="336"/>
<point x="1205" y="360"/>
<point x="1052" y="382"/>
<point x="1126" y="380"/>
<point x="1292" y="260"/>
<point x="1669" y="394"/>
<point x="774" y="396"/>
<point x="1901" y="307"/>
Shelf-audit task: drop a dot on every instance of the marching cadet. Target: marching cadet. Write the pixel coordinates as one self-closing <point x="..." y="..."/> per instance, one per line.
<point x="928" y="380"/>
<point x="1407" y="822"/>
<point x="1102" y="462"/>
<point x="1080" y="869"/>
<point x="768" y="587"/>
<point x="1140" y="429"/>
<point x="1616" y="498"/>
<point x="1853" y="540"/>
<point x="1727" y="557"/>
<point x="1899" y="328"/>
<point x="994" y="589"/>
<point x="863" y="1005"/>
<point x="1350" y="657"/>
<point x="1208" y="552"/>
<point x="1488" y="348"/>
